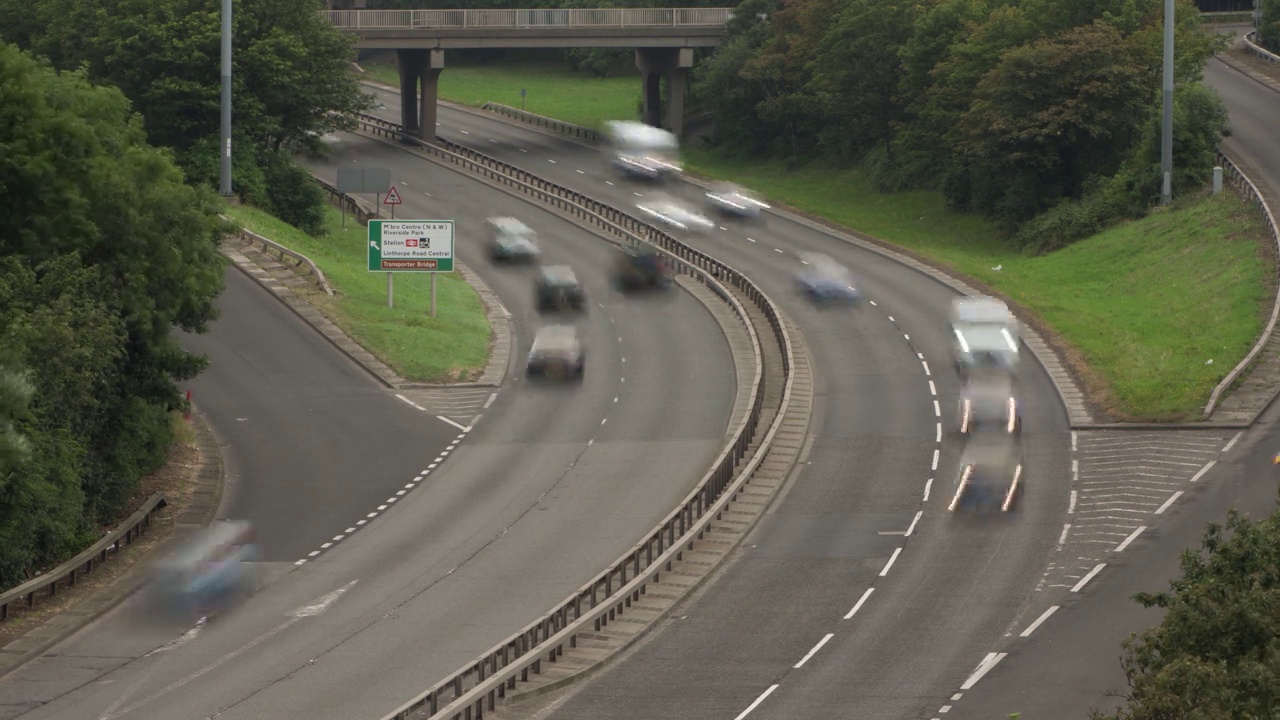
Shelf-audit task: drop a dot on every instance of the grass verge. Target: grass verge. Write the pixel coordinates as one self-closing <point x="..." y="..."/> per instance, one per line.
<point x="1145" y="305"/>
<point x="451" y="347"/>
<point x="554" y="90"/>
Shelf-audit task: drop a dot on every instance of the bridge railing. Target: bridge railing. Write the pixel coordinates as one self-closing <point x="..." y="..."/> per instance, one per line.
<point x="528" y="19"/>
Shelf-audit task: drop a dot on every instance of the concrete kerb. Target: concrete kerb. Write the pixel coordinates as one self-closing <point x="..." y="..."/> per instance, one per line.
<point x="210" y="482"/>
<point x="686" y="285"/>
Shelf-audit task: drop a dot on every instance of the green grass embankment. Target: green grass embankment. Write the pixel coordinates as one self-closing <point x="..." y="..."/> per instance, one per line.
<point x="453" y="346"/>
<point x="553" y="89"/>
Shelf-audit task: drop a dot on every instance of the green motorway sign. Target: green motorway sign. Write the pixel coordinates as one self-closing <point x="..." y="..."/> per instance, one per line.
<point x="410" y="246"/>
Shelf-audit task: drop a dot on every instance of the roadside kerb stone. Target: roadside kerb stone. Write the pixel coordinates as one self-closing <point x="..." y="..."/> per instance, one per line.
<point x="281" y="280"/>
<point x="595" y="651"/>
<point x="201" y="510"/>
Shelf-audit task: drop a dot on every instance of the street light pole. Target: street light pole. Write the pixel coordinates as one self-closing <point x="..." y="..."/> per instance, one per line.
<point x="224" y="145"/>
<point x="1166" y="130"/>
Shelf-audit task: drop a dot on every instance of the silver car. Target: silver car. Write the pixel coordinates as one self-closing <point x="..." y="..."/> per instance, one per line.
<point x="987" y="404"/>
<point x="733" y="201"/>
<point x="557" y="354"/>
<point x="991" y="477"/>
<point x="673" y="214"/>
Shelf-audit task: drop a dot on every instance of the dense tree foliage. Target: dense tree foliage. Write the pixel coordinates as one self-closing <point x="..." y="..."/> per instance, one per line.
<point x="1216" y="654"/>
<point x="290" y="80"/>
<point x="104" y="248"/>
<point x="1011" y="107"/>
<point x="1269" y="26"/>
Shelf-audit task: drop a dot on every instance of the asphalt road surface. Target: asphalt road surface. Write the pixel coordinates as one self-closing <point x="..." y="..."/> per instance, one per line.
<point x="552" y="485"/>
<point x="881" y="463"/>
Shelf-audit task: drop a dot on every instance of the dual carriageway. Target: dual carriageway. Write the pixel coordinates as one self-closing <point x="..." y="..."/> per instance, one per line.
<point x="855" y="594"/>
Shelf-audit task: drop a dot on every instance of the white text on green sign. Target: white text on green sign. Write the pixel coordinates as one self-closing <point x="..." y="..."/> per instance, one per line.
<point x="410" y="245"/>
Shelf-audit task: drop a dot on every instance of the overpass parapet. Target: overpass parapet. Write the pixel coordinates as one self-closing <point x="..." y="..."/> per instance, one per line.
<point x="529" y="19"/>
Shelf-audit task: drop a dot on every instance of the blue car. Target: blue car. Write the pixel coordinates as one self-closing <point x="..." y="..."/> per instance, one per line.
<point x="823" y="281"/>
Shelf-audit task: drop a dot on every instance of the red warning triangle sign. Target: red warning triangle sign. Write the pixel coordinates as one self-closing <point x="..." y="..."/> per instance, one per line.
<point x="393" y="197"/>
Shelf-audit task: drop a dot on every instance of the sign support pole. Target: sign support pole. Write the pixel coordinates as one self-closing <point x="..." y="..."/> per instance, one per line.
<point x="433" y="294"/>
<point x="390" y="300"/>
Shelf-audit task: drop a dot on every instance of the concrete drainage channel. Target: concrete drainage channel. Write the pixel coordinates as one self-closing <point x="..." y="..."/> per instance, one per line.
<point x="605" y="616"/>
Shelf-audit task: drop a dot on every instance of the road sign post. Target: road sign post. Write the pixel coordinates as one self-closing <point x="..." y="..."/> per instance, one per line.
<point x="393" y="199"/>
<point x="523" y="93"/>
<point x="411" y="246"/>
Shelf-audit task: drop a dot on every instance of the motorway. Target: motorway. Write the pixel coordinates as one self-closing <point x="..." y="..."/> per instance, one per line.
<point x="865" y="510"/>
<point x="437" y="543"/>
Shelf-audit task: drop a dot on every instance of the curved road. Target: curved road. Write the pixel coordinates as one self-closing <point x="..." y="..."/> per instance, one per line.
<point x="553" y="484"/>
<point x="954" y="587"/>
<point x="1071" y="664"/>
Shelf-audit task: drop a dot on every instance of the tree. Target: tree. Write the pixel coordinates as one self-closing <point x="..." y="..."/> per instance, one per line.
<point x="1269" y="25"/>
<point x="15" y="393"/>
<point x="1216" y="653"/>
<point x="1051" y="114"/>
<point x="82" y="185"/>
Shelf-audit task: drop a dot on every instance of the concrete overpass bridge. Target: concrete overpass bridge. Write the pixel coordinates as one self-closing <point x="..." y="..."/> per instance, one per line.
<point x="663" y="39"/>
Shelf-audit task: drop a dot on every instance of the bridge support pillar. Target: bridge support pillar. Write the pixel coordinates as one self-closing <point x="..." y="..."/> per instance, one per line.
<point x="672" y="64"/>
<point x="418" y="111"/>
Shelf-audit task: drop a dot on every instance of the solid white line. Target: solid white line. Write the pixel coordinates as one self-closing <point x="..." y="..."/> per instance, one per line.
<point x="1172" y="499"/>
<point x="815" y="649"/>
<point x="492" y="397"/>
<point x="989" y="662"/>
<point x="933" y="389"/>
<point x="1097" y="569"/>
<point x="1131" y="538"/>
<point x="757" y="702"/>
<point x="460" y="427"/>
<point x="935" y="459"/>
<point x="892" y="559"/>
<point x="913" y="522"/>
<point x="1032" y="627"/>
<point x="1203" y="470"/>
<point x="414" y="404"/>
<point x="927" y="485"/>
<point x="1073" y="441"/>
<point x="926" y="367"/>
<point x="858" y="605"/>
<point x="1072" y="507"/>
<point x="937" y="409"/>
<point x="1233" y="442"/>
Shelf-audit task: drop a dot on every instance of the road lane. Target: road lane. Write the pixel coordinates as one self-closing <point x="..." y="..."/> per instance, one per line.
<point x="818" y="552"/>
<point x="550" y="486"/>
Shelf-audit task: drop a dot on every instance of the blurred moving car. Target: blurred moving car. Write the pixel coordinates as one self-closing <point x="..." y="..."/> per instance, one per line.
<point x="642" y="151"/>
<point x="641" y="267"/>
<point x="674" y="214"/>
<point x="824" y="280"/>
<point x="558" y="289"/>
<point x="991" y="478"/>
<point x="985" y="335"/>
<point x="987" y="403"/>
<point x="732" y="201"/>
<point x="211" y="572"/>
<point x="557" y="353"/>
<point x="511" y="240"/>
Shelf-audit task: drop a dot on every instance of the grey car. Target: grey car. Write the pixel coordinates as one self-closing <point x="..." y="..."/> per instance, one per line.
<point x="991" y="478"/>
<point x="557" y="354"/>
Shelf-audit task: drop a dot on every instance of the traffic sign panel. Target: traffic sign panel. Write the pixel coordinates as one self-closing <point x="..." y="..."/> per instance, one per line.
<point x="410" y="246"/>
<point x="393" y="197"/>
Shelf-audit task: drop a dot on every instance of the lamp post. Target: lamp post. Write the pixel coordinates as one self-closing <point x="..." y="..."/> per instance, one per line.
<point x="1166" y="129"/>
<point x="224" y="144"/>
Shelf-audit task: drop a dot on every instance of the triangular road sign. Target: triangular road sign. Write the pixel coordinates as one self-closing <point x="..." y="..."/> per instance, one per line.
<point x="393" y="197"/>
